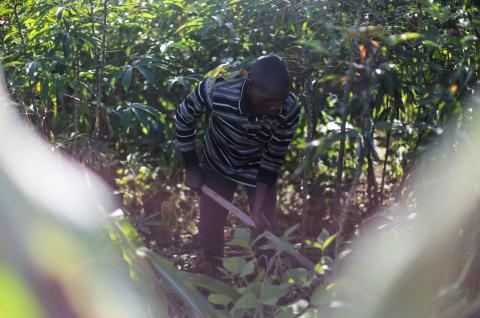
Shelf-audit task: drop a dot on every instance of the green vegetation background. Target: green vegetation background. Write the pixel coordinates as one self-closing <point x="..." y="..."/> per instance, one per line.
<point x="377" y="80"/>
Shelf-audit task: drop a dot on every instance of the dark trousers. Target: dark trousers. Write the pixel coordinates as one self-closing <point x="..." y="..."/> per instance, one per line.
<point x="213" y="215"/>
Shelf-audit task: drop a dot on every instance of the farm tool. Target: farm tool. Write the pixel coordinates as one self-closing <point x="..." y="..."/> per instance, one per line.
<point x="242" y="216"/>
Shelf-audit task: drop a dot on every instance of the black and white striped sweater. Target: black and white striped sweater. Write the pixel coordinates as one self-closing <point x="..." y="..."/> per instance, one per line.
<point x="239" y="145"/>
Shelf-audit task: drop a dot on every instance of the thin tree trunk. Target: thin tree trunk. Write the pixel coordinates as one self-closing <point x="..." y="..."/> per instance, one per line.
<point x="101" y="119"/>
<point x="24" y="51"/>
<point x="345" y="208"/>
<point x="384" y="172"/>
<point x="20" y="31"/>
<point x="345" y="101"/>
<point x="406" y="171"/>
<point x="341" y="152"/>
<point x="78" y="101"/>
<point x="371" y="179"/>
<point x="311" y="123"/>
<point x="348" y="203"/>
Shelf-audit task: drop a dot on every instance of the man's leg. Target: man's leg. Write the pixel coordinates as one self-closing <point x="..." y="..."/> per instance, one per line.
<point x="213" y="215"/>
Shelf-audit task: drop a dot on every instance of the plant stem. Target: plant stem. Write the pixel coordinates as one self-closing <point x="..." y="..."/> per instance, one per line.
<point x="344" y="210"/>
<point x="100" y="116"/>
<point x="345" y="101"/>
<point x="24" y="49"/>
<point x="385" y="161"/>
<point x="372" y="182"/>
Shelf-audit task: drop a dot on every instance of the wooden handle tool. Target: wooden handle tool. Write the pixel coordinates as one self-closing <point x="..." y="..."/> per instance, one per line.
<point x="248" y="220"/>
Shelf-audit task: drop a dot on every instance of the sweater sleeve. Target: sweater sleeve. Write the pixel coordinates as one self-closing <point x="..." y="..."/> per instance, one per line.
<point x="193" y="106"/>
<point x="275" y="151"/>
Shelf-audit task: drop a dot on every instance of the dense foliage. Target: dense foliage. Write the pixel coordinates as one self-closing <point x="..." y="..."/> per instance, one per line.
<point x="378" y="81"/>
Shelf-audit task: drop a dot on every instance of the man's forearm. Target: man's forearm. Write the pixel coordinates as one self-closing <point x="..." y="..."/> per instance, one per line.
<point x="261" y="222"/>
<point x="190" y="158"/>
<point x="265" y="181"/>
<point x="261" y="191"/>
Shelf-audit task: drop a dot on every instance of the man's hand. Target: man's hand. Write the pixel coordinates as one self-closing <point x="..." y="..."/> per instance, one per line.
<point x="259" y="218"/>
<point x="194" y="178"/>
<point x="261" y="222"/>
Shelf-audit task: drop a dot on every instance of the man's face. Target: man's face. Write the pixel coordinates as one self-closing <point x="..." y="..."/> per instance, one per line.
<point x="267" y="101"/>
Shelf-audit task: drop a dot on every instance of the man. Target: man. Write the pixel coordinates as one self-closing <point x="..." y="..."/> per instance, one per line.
<point x="250" y="125"/>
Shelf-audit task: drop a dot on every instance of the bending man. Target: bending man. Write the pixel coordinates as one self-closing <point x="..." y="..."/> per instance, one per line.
<point x="251" y="122"/>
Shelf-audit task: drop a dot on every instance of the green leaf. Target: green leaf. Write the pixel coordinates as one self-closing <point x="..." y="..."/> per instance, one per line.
<point x="247" y="301"/>
<point x="192" y="25"/>
<point x="293" y="310"/>
<point x="241" y="234"/>
<point x="321" y="296"/>
<point x="431" y="43"/>
<point x="45" y="91"/>
<point x="17" y="300"/>
<point x="211" y="284"/>
<point x="248" y="269"/>
<point x="297" y="275"/>
<point x="147" y="74"/>
<point x="239" y="243"/>
<point x="327" y="260"/>
<point x="217" y="19"/>
<point x="319" y="268"/>
<point x="219" y="299"/>
<point x="327" y="142"/>
<point x="193" y="299"/>
<point x="234" y="265"/>
<point x="181" y="46"/>
<point x="176" y="79"/>
<point x="30" y="68"/>
<point x="329" y="240"/>
<point x="59" y="13"/>
<point x="290" y="230"/>
<point x="270" y="294"/>
<point x="126" y="119"/>
<point x="140" y="116"/>
<point x="362" y="32"/>
<point x="5" y="12"/>
<point x="164" y="46"/>
<point x="314" y="244"/>
<point x="381" y="3"/>
<point x="86" y="39"/>
<point x="230" y="26"/>
<point x="152" y="112"/>
<point x="129" y="231"/>
<point x="146" y="15"/>
<point x="323" y="236"/>
<point x="316" y="46"/>
<point x="67" y="50"/>
<point x="127" y="79"/>
<point x="397" y="38"/>
<point x="281" y="245"/>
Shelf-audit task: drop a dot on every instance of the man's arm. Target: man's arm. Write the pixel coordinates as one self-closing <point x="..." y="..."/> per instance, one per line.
<point x="193" y="106"/>
<point x="272" y="161"/>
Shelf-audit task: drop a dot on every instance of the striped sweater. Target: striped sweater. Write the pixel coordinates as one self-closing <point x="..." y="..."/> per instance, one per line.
<point x="237" y="144"/>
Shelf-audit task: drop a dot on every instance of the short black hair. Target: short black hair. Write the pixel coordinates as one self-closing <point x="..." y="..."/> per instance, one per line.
<point x="270" y="72"/>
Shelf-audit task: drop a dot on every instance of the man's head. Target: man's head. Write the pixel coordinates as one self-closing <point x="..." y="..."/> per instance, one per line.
<point x="269" y="84"/>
